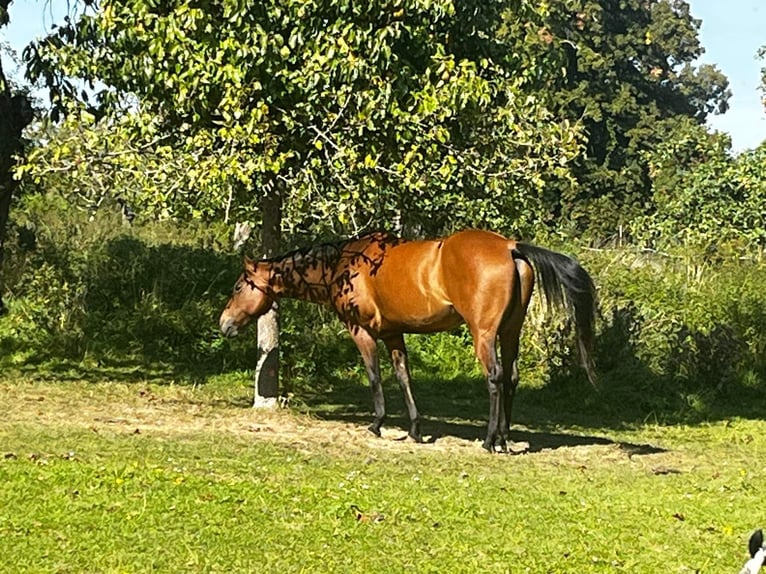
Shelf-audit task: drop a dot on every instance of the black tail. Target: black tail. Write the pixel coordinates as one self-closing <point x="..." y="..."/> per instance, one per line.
<point x="566" y="284"/>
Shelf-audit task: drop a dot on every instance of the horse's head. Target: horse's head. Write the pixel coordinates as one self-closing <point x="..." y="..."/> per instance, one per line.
<point x="251" y="298"/>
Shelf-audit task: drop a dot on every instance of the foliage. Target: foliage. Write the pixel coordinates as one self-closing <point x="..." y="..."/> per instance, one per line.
<point x="703" y="198"/>
<point x="428" y="117"/>
<point x="90" y="292"/>
<point x="630" y="78"/>
<point x="685" y="330"/>
<point x="425" y="117"/>
<point x="353" y="115"/>
<point x="95" y="291"/>
<point x="4" y="12"/>
<point x="15" y="114"/>
<point x="93" y="164"/>
<point x="677" y="333"/>
<point x="761" y="55"/>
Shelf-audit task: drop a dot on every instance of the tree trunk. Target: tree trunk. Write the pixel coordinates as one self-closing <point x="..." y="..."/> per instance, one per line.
<point x="15" y="115"/>
<point x="267" y="370"/>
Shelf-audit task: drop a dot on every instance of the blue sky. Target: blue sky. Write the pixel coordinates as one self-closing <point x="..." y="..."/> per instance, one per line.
<point x="732" y="31"/>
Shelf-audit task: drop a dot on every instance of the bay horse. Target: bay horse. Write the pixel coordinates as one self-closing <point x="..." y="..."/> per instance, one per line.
<point x="382" y="287"/>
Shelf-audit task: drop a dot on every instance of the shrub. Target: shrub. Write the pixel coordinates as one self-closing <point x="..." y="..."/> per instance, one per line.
<point x="679" y="336"/>
<point x="94" y="289"/>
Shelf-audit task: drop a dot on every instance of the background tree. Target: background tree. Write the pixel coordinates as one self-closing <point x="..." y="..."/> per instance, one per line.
<point x="630" y="79"/>
<point x="762" y="56"/>
<point x="15" y="115"/>
<point x="704" y="199"/>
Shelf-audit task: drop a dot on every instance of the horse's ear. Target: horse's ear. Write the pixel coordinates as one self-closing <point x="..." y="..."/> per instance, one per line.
<point x="250" y="265"/>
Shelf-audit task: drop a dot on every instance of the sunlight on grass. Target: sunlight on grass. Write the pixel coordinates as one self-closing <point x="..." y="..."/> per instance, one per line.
<point x="137" y="478"/>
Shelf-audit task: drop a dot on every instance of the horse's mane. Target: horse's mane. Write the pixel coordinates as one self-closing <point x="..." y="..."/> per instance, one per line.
<point x="330" y="251"/>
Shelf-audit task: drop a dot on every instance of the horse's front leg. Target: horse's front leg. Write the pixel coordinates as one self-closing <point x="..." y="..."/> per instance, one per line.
<point x="368" y="347"/>
<point x="398" y="352"/>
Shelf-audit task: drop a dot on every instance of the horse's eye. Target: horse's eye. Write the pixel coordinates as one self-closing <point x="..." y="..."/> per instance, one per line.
<point x="238" y="287"/>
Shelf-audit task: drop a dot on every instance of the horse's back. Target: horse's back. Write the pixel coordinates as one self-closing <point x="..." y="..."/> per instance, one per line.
<point x="474" y="247"/>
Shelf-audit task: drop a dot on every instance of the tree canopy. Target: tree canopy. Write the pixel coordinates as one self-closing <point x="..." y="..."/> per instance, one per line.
<point x="630" y="79"/>
<point x="427" y="116"/>
<point x="424" y="112"/>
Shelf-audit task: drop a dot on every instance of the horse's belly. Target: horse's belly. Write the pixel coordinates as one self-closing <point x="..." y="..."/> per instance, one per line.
<point x="433" y="321"/>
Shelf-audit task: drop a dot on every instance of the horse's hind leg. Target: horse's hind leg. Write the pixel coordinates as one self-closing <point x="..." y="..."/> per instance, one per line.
<point x="510" y="332"/>
<point x="484" y="345"/>
<point x="368" y="347"/>
<point x="395" y="346"/>
<point x="509" y="351"/>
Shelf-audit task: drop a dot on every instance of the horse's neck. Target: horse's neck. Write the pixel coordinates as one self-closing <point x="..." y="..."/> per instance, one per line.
<point x="302" y="276"/>
<point x="312" y="274"/>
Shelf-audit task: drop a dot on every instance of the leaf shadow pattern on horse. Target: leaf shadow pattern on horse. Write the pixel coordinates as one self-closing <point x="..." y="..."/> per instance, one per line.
<point x="382" y="287"/>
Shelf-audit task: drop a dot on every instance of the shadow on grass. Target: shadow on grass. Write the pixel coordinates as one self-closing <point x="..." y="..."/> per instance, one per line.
<point x="629" y="393"/>
<point x="539" y="440"/>
<point x="459" y="408"/>
<point x="125" y="371"/>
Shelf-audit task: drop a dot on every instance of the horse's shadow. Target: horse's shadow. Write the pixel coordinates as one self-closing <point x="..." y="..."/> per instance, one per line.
<point x="538" y="440"/>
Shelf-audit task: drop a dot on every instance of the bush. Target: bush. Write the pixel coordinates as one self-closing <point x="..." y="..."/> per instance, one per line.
<point x="679" y="336"/>
<point x="691" y="336"/>
<point x="91" y="289"/>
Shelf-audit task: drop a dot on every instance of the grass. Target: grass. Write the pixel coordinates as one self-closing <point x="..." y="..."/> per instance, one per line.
<point x="145" y="477"/>
<point x="124" y="449"/>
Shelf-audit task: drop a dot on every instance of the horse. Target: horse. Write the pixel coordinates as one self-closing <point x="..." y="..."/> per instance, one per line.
<point x="381" y="287"/>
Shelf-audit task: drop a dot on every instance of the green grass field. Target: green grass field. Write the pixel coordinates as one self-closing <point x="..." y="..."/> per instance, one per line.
<point x="145" y="477"/>
<point x="127" y="441"/>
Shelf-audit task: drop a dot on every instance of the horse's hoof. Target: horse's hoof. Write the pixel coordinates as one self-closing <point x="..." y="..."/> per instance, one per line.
<point x="495" y="446"/>
<point x="418" y="438"/>
<point x="374" y="429"/>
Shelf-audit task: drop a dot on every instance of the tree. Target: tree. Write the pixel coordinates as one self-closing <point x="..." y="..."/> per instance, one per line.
<point x="762" y="56"/>
<point x="630" y="78"/>
<point x="15" y="115"/>
<point x="327" y="114"/>
<point x="336" y="103"/>
<point x="703" y="197"/>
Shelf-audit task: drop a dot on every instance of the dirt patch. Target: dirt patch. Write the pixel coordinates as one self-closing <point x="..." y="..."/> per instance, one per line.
<point x="180" y="411"/>
<point x="120" y="408"/>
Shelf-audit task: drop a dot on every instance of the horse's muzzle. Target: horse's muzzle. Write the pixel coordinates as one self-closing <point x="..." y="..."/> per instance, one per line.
<point x="228" y="327"/>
